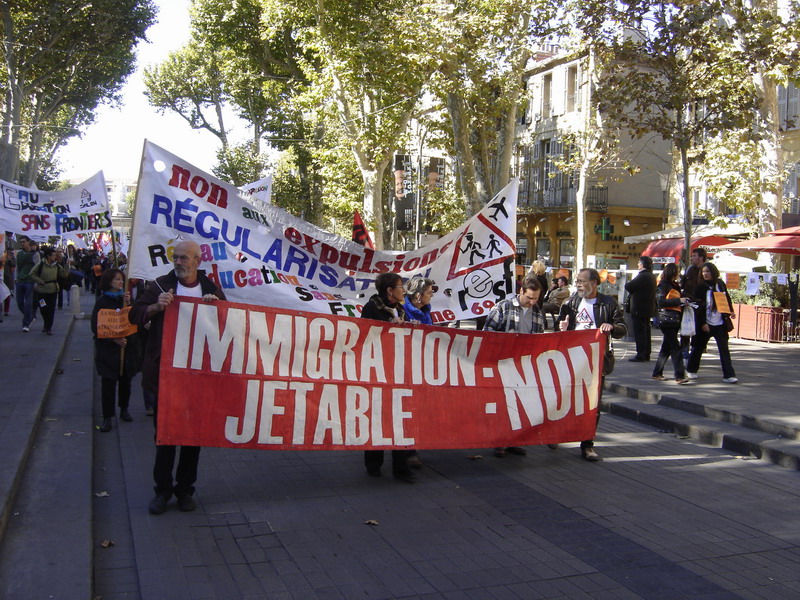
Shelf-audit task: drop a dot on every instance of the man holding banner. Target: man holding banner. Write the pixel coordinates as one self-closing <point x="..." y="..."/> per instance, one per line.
<point x="587" y="309"/>
<point x="184" y="280"/>
<point x="519" y="314"/>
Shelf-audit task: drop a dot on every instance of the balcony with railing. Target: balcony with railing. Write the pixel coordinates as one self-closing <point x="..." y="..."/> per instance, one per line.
<point x="562" y="199"/>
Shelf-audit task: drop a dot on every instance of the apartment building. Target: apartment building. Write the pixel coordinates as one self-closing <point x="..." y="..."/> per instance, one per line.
<point x="789" y="109"/>
<point x="621" y="202"/>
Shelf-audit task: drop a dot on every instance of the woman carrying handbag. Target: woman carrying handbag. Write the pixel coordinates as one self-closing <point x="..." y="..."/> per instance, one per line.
<point x="670" y="303"/>
<point x="713" y="319"/>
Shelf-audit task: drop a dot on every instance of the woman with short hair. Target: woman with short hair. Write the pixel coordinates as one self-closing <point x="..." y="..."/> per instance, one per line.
<point x="387" y="306"/>
<point x="117" y="360"/>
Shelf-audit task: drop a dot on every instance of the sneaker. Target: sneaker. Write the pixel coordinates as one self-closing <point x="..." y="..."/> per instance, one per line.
<point x="730" y="380"/>
<point x="590" y="455"/>
<point x="158" y="504"/>
<point x="691" y="375"/>
<point x="26" y="329"/>
<point x="186" y="503"/>
<point x="682" y="380"/>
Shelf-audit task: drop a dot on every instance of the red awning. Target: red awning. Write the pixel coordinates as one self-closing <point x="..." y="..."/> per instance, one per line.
<point x="672" y="248"/>
<point x="778" y="244"/>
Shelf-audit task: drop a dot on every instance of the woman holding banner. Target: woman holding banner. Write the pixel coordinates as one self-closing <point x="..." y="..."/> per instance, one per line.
<point x="387" y="306"/>
<point x="117" y="359"/>
<point x="419" y="292"/>
<point x="712" y="319"/>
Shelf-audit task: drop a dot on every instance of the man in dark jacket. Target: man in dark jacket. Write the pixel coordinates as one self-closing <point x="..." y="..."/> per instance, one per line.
<point x="642" y="289"/>
<point x="184" y="280"/>
<point x="588" y="309"/>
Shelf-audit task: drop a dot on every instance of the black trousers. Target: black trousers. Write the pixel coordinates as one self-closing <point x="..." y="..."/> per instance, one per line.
<point x="108" y="391"/>
<point x="590" y="443"/>
<point x="670" y="348"/>
<point x="186" y="473"/>
<point x="642" y="336"/>
<point x="48" y="310"/>
<point x="373" y="459"/>
<point x="699" y="344"/>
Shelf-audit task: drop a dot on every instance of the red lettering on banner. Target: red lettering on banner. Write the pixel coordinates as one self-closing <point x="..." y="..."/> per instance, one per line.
<point x="254" y="377"/>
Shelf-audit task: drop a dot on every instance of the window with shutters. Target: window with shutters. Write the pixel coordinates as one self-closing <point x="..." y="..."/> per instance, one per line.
<point x="547" y="96"/>
<point x="572" y="89"/>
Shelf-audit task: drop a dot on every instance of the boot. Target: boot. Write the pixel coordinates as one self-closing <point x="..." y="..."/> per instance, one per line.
<point x="106" y="426"/>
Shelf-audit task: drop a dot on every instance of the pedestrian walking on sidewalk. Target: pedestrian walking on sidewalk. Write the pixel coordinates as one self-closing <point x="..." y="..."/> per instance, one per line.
<point x="519" y="314"/>
<point x="117" y="360"/>
<point x="712" y="319"/>
<point x="588" y="309"/>
<point x="642" y="289"/>
<point x="689" y="282"/>
<point x="26" y="259"/>
<point x="670" y="308"/>
<point x="46" y="276"/>
<point x="184" y="280"/>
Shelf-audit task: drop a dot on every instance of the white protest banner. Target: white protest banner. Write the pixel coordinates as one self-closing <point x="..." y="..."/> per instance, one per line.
<point x="80" y="209"/>
<point x="268" y="257"/>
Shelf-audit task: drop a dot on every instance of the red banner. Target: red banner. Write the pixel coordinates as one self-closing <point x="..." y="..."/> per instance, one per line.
<point x="245" y="376"/>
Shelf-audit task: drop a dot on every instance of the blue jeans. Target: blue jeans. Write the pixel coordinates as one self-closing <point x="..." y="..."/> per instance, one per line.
<point x="24" y="293"/>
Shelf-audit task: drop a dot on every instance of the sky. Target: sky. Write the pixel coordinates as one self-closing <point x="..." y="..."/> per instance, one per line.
<point x="114" y="142"/>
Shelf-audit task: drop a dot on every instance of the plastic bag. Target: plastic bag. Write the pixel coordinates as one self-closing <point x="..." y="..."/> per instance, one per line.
<point x="688" y="328"/>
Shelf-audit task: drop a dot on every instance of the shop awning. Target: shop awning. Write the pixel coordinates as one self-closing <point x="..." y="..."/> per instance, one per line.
<point x="672" y="248"/>
<point x="777" y="244"/>
<point x="698" y="231"/>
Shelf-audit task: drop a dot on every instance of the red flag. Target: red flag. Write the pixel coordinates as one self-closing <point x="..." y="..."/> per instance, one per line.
<point x="360" y="232"/>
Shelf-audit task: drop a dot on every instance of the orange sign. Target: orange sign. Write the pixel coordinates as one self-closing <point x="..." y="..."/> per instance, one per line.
<point x="721" y="300"/>
<point x="114" y="323"/>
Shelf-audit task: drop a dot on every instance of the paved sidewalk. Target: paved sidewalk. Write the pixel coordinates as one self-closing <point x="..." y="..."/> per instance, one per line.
<point x="763" y="406"/>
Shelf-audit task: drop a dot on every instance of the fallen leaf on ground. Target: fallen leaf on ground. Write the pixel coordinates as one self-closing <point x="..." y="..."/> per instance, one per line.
<point x="103" y="494"/>
<point x="106" y="543"/>
<point x="372" y="522"/>
<point x="48" y="419"/>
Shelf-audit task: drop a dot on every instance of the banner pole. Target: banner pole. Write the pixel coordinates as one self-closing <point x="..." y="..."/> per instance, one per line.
<point x="136" y="208"/>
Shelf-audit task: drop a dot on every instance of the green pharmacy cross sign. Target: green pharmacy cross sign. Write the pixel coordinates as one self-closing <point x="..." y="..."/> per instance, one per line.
<point x="605" y="229"/>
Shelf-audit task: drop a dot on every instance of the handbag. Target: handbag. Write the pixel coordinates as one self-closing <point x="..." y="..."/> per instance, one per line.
<point x="727" y="322"/>
<point x="688" y="328"/>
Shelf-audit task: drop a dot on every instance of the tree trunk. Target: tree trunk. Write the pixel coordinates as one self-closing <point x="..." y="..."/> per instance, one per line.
<point x="373" y="200"/>
<point x="589" y="132"/>
<point x="464" y="157"/>
<point x="687" y="207"/>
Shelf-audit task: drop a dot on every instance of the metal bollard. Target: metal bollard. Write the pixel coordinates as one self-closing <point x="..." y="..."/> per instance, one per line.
<point x="74" y="300"/>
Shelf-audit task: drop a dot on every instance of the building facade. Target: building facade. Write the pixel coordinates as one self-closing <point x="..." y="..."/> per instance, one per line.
<point x="627" y="196"/>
